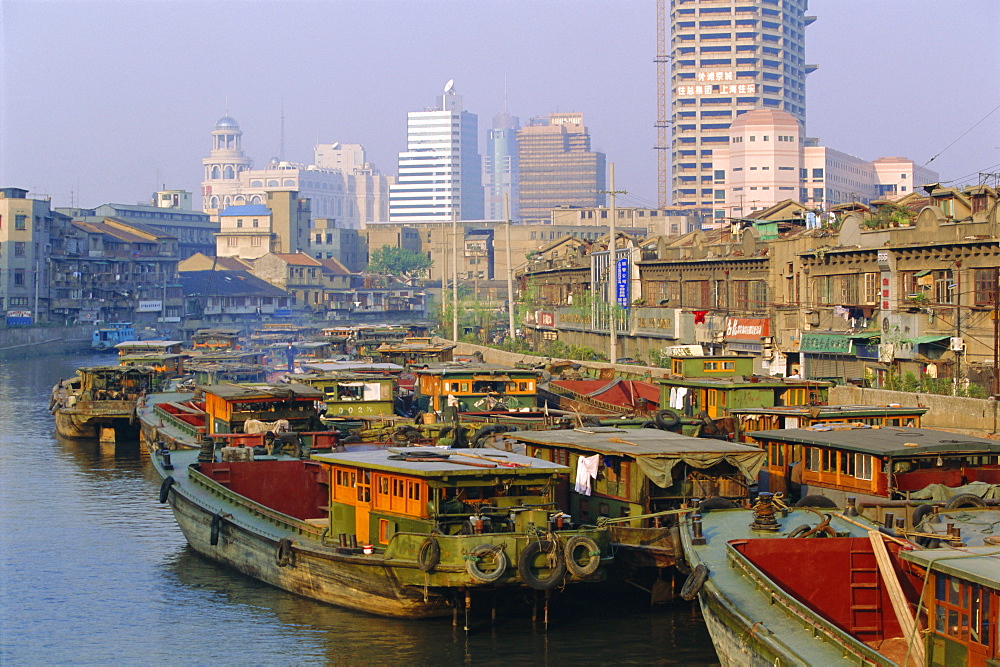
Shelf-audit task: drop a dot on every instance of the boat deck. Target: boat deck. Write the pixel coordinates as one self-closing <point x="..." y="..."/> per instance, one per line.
<point x="789" y="628"/>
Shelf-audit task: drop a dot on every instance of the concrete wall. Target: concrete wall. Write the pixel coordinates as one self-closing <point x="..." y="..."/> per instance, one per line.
<point x="974" y="416"/>
<point x="40" y="341"/>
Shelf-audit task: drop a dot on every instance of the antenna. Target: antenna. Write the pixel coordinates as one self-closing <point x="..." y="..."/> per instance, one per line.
<point x="505" y="95"/>
<point x="281" y="148"/>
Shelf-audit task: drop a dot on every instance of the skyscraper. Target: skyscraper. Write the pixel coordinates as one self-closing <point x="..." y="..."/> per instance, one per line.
<point x="440" y="171"/>
<point x="500" y="168"/>
<point x="556" y="167"/>
<point x="728" y="57"/>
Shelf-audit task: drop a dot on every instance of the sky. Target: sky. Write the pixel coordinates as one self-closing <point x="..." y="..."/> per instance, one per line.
<point x="107" y="101"/>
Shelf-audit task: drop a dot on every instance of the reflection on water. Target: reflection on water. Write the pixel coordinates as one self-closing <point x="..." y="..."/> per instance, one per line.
<point x="94" y="570"/>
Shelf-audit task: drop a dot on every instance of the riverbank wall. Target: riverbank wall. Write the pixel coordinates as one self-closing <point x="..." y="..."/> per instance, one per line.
<point x="43" y="341"/>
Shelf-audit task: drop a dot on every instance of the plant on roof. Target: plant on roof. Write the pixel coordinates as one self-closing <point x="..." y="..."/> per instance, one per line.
<point x="399" y="262"/>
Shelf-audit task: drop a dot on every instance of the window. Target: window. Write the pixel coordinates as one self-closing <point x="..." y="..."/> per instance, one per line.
<point x="986" y="286"/>
<point x="812" y="459"/>
<point x="232" y="241"/>
<point x="818" y="173"/>
<point x="18" y="278"/>
<point x="862" y="466"/>
<point x="18" y="248"/>
<point x="20" y="221"/>
<point x="944" y="288"/>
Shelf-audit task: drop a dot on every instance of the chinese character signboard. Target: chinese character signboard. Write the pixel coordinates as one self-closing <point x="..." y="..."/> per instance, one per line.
<point x="621" y="283"/>
<point x="18" y="318"/>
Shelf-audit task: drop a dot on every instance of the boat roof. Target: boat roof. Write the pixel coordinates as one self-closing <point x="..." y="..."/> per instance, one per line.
<point x="406" y="346"/>
<point x="740" y="382"/>
<point x="244" y="392"/>
<point x="980" y="565"/>
<point x="379" y="459"/>
<point x="327" y="366"/>
<point x="465" y="368"/>
<point x="816" y="411"/>
<point x="306" y="378"/>
<point x="638" y="442"/>
<point x="881" y="441"/>
<point x="149" y="344"/>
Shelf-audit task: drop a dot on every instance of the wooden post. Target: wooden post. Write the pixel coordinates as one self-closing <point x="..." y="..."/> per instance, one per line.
<point x="899" y="603"/>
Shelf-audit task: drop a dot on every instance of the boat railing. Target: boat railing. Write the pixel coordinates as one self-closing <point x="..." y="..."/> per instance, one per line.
<point x="184" y="422"/>
<point x="811" y="620"/>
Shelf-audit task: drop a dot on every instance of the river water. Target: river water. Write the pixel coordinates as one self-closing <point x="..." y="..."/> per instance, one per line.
<point x="94" y="570"/>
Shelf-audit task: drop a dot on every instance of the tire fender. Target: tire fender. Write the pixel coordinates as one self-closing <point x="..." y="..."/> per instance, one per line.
<point x="283" y="554"/>
<point x="526" y="561"/>
<point x="429" y="555"/>
<point x="666" y="419"/>
<point x="165" y="488"/>
<point x="216" y="528"/>
<point x="964" y="500"/>
<point x="589" y="548"/>
<point x="475" y="556"/>
<point x="694" y="582"/>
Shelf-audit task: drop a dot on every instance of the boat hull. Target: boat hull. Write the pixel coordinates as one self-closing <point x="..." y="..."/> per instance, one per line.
<point x="315" y="571"/>
<point x="80" y="423"/>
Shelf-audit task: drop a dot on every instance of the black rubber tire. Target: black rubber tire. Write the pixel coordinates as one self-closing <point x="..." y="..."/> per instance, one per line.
<point x="526" y="562"/>
<point x="816" y="501"/>
<point x="477" y="573"/>
<point x="283" y="555"/>
<point x="216" y="527"/>
<point x="591" y="421"/>
<point x="165" y="488"/>
<point x="419" y="418"/>
<point x="592" y="551"/>
<point x="694" y="582"/>
<point x="429" y="555"/>
<point x="716" y="503"/>
<point x="964" y="500"/>
<point x="800" y="530"/>
<point x="920" y="512"/>
<point x="666" y="419"/>
<point x="445" y="430"/>
<point x="649" y="423"/>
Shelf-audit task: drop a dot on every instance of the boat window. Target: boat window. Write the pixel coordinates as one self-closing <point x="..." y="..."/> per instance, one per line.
<point x="863" y="466"/>
<point x="465" y="387"/>
<point x="812" y="459"/>
<point x="487" y="386"/>
<point x="829" y="460"/>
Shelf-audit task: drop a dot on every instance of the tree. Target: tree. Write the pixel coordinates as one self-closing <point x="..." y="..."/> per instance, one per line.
<point x="398" y="262"/>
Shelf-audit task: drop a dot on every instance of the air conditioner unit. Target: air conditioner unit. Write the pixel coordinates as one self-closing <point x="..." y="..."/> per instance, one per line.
<point x="957" y="344"/>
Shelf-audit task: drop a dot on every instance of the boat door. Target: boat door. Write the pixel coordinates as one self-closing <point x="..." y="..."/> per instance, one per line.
<point x="363" y="508"/>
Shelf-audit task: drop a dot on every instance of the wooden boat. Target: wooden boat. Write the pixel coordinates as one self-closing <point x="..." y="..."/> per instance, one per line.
<point x="773" y="594"/>
<point x="474" y="387"/>
<point x="100" y="402"/>
<point x="216" y="340"/>
<point x="222" y="411"/>
<point x="601" y="397"/>
<point x="106" y="338"/>
<point x="961" y="601"/>
<point x="640" y="478"/>
<point x="414" y="351"/>
<point x="410" y="534"/>
<point x="750" y="419"/>
<point x="886" y="469"/>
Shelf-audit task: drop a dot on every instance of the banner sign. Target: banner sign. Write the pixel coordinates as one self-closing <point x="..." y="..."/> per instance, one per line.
<point x="621" y="283"/>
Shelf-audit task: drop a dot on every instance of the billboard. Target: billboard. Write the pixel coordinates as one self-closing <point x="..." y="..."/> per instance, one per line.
<point x="18" y="318"/>
<point x="621" y="283"/>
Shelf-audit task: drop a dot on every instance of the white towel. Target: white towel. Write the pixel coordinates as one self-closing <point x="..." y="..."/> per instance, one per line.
<point x="586" y="470"/>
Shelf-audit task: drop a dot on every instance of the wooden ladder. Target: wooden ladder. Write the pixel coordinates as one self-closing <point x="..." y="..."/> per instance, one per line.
<point x="866" y="614"/>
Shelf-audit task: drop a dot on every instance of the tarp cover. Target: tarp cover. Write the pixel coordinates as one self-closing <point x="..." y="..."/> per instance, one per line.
<point x="659" y="469"/>
<point x="940" y="493"/>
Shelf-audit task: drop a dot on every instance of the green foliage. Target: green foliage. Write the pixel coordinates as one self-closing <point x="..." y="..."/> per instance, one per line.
<point x="399" y="262"/>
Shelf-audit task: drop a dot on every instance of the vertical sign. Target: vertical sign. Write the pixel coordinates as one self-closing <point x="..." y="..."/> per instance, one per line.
<point x="621" y="282"/>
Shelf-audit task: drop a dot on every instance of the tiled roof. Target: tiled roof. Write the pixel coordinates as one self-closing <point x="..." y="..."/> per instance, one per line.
<point x="248" y="209"/>
<point x="297" y="258"/>
<point x="227" y="283"/>
<point x="335" y="266"/>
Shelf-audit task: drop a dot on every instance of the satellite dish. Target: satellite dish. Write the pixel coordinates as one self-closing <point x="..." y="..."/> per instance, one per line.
<point x="448" y="87"/>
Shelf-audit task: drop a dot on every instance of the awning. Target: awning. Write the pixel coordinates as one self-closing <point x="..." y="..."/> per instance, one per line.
<point x="659" y="469"/>
<point x="929" y="338"/>
<point x="920" y="274"/>
<point x="865" y="334"/>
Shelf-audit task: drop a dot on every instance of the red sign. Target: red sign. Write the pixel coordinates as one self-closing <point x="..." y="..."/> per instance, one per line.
<point x="744" y="328"/>
<point x="546" y="319"/>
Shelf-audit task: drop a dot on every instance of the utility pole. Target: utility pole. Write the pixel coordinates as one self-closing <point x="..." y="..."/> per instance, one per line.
<point x="510" y="270"/>
<point x="454" y="274"/>
<point x="613" y="267"/>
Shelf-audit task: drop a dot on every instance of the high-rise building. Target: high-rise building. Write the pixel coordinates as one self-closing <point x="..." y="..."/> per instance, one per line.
<point x="556" y="167"/>
<point x="728" y="57"/>
<point x="24" y="263"/>
<point x="500" y="170"/>
<point x="440" y="171"/>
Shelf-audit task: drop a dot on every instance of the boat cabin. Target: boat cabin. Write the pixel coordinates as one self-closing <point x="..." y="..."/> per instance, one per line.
<point x="216" y="372"/>
<point x="114" y="383"/>
<point x="414" y="351"/>
<point x="216" y="339"/>
<point x="351" y="394"/>
<point x="106" y="338"/>
<point x="874" y="463"/>
<point x="630" y="472"/>
<point x="167" y="365"/>
<point x="711" y="366"/>
<point x="229" y="406"/>
<point x="132" y="347"/>
<point x="717" y="397"/>
<point x="962" y="603"/>
<point x="304" y="350"/>
<point x="375" y="494"/>
<point x="803" y="416"/>
<point x="474" y="387"/>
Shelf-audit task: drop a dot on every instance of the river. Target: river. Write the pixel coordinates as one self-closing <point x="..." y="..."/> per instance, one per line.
<point x="94" y="570"/>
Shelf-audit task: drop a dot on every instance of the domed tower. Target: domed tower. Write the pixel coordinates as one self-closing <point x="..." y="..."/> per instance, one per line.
<point x="224" y="165"/>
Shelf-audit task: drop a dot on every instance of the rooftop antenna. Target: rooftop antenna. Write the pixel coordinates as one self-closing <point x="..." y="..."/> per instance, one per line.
<point x="504" y="94"/>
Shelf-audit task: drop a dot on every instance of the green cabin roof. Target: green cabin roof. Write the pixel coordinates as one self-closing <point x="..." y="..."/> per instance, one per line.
<point x="888" y="441"/>
<point x="980" y="565"/>
<point x="647" y="442"/>
<point x="444" y="467"/>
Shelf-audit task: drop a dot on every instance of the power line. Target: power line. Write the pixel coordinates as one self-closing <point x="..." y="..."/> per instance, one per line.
<point x="963" y="134"/>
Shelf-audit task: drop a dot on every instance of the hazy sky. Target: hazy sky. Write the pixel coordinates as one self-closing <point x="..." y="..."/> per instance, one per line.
<point x="105" y="101"/>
